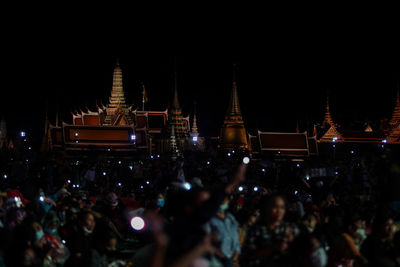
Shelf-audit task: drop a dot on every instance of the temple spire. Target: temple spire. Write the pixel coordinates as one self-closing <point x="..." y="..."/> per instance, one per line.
<point x="234" y="107"/>
<point x="233" y="134"/>
<point x="194" y="131"/>
<point x="175" y="103"/>
<point x="3" y="133"/>
<point x="396" y="111"/>
<point x="117" y="102"/>
<point x="328" y="116"/>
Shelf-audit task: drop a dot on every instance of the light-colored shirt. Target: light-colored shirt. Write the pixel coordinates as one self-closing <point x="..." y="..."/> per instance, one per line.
<point x="227" y="233"/>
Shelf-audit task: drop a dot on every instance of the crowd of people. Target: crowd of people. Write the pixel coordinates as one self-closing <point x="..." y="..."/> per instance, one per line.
<point x="201" y="210"/>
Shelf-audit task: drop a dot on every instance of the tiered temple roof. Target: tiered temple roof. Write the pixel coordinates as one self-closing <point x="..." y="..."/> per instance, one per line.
<point x="117" y="109"/>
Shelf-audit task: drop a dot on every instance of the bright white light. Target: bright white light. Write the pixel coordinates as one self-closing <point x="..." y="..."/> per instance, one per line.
<point x="279" y="152"/>
<point x="133" y="137"/>
<point x="263" y="170"/>
<point x="41" y="198"/>
<point x="233" y="151"/>
<point x="76" y="141"/>
<point x="5" y="176"/>
<point x="151" y="157"/>
<point x="255" y="189"/>
<point x="298" y="165"/>
<point x="77" y="185"/>
<point x="108" y="149"/>
<point x="336" y="173"/>
<point x="158" y="156"/>
<point x="208" y="163"/>
<point x="104" y="173"/>
<point x="334" y="139"/>
<point x="384" y="141"/>
<point x="63" y="241"/>
<point x="147" y="182"/>
<point x="68" y="181"/>
<point x="240" y="188"/>
<point x="307" y="178"/>
<point x="27" y="160"/>
<point x="131" y="167"/>
<point x="229" y="154"/>
<point x="76" y="134"/>
<point x="119" y="184"/>
<point x="187" y="186"/>
<point x="194" y="138"/>
<point x="246" y="160"/>
<point x="352" y="151"/>
<point x="29" y="148"/>
<point x="296" y="192"/>
<point x="137" y="223"/>
<point x="25" y="140"/>
<point x="141" y="187"/>
<point x="73" y="186"/>
<point x="23" y="134"/>
<point x="334" y="145"/>
<point x="119" y="162"/>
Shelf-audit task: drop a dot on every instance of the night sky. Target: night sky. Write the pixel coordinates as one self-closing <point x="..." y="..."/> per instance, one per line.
<point x="283" y="75"/>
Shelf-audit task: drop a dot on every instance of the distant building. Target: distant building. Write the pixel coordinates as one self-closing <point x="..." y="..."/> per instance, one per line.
<point x="119" y="127"/>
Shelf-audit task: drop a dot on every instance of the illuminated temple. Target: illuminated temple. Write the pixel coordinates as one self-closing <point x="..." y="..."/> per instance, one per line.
<point x="120" y="127"/>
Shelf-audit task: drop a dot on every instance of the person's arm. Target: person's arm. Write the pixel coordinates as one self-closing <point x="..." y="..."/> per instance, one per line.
<point x="210" y="207"/>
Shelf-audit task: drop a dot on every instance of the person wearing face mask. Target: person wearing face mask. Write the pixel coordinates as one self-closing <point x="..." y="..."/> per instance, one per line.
<point x="81" y="240"/>
<point x="225" y="228"/>
<point x="344" y="249"/>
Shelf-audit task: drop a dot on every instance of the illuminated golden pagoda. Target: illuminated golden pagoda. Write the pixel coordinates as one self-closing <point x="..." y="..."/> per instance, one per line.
<point x="332" y="134"/>
<point x="394" y="132"/>
<point x="233" y="133"/>
<point x="396" y="112"/>
<point x="117" y="110"/>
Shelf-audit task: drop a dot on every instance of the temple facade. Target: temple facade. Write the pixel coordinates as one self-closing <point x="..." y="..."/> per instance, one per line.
<point x="119" y="126"/>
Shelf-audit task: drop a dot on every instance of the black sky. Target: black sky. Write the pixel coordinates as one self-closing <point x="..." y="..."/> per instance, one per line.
<point x="283" y="73"/>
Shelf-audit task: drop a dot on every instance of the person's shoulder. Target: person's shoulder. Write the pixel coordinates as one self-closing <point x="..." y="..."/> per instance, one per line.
<point x="231" y="217"/>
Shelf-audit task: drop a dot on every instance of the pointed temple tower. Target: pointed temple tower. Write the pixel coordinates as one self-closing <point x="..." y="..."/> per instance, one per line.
<point x="196" y="142"/>
<point x="117" y="110"/>
<point x="394" y="132"/>
<point x="177" y="122"/>
<point x="332" y="133"/>
<point x="194" y="131"/>
<point x="172" y="146"/>
<point x="233" y="133"/>
<point x="3" y="133"/>
<point x="396" y="112"/>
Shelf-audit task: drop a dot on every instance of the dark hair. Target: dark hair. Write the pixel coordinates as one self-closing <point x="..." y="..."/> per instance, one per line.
<point x="381" y="218"/>
<point x="266" y="202"/>
<point x="82" y="215"/>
